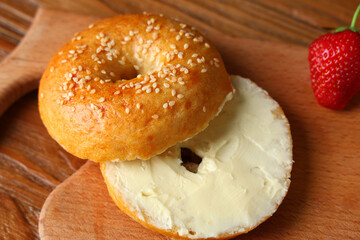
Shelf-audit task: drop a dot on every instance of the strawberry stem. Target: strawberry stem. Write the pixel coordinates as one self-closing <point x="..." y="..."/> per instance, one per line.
<point x="353" y="22"/>
<point x="355" y="17"/>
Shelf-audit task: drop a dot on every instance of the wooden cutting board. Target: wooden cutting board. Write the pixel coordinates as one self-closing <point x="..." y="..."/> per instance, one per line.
<point x="323" y="201"/>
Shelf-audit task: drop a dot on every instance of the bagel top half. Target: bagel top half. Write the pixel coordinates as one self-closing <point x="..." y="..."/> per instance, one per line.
<point x="131" y="86"/>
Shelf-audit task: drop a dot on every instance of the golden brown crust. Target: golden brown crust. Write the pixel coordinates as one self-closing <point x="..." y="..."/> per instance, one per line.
<point x="93" y="114"/>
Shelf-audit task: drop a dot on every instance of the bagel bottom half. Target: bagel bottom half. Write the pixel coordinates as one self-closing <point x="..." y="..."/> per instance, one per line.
<point x="243" y="177"/>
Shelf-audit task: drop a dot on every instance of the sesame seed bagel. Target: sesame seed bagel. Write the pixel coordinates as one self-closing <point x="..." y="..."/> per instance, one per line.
<point x="241" y="180"/>
<point x="131" y="86"/>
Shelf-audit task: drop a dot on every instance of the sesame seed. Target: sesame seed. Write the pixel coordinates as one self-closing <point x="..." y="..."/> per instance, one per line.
<point x="166" y="85"/>
<point x="101" y="34"/>
<point x="127" y="38"/>
<point x="127" y="110"/>
<point x="101" y="99"/>
<point x="153" y="79"/>
<point x="177" y="38"/>
<point x="172" y="46"/>
<point x="136" y="67"/>
<point x="148" y="90"/>
<point x="117" y="93"/>
<point x="63" y="61"/>
<point x="171" y="103"/>
<point x="92" y="91"/>
<point x="172" y="29"/>
<point x="70" y="94"/>
<point x="194" y="55"/>
<point x="207" y="45"/>
<point x="101" y="114"/>
<point x="90" y="26"/>
<point x="149" y="28"/>
<point x="173" y="92"/>
<point x="180" y="96"/>
<point x="103" y="71"/>
<point x="186" y="46"/>
<point x="216" y="64"/>
<point x="82" y="97"/>
<point x="203" y="70"/>
<point x="155" y="36"/>
<point x="60" y="53"/>
<point x="189" y="35"/>
<point x="51" y="69"/>
<point x="204" y="109"/>
<point x="180" y="55"/>
<point x="216" y="60"/>
<point x="112" y="74"/>
<point x="41" y="95"/>
<point x="155" y="116"/>
<point x="182" y="25"/>
<point x="157" y="90"/>
<point x="138" y="105"/>
<point x="165" y="105"/>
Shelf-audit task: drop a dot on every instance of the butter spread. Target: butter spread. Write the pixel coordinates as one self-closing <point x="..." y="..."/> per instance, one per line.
<point x="244" y="174"/>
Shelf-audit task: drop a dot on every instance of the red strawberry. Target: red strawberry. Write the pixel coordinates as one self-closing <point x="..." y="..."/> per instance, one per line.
<point x="335" y="66"/>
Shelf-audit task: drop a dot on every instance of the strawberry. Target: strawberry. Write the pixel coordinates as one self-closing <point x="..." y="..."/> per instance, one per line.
<point x="335" y="66"/>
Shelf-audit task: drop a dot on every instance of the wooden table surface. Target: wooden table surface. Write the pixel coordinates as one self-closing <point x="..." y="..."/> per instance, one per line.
<point x="32" y="164"/>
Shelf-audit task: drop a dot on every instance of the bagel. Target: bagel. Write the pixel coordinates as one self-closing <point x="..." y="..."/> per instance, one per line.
<point x="243" y="177"/>
<point x="130" y="87"/>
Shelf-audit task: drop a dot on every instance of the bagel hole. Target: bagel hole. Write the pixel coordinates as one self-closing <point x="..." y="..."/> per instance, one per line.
<point x="192" y="232"/>
<point x="131" y="73"/>
<point x="190" y="160"/>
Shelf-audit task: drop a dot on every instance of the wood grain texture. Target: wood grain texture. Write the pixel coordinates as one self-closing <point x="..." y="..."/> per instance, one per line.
<point x="321" y="203"/>
<point x="32" y="164"/>
<point x="34" y="52"/>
